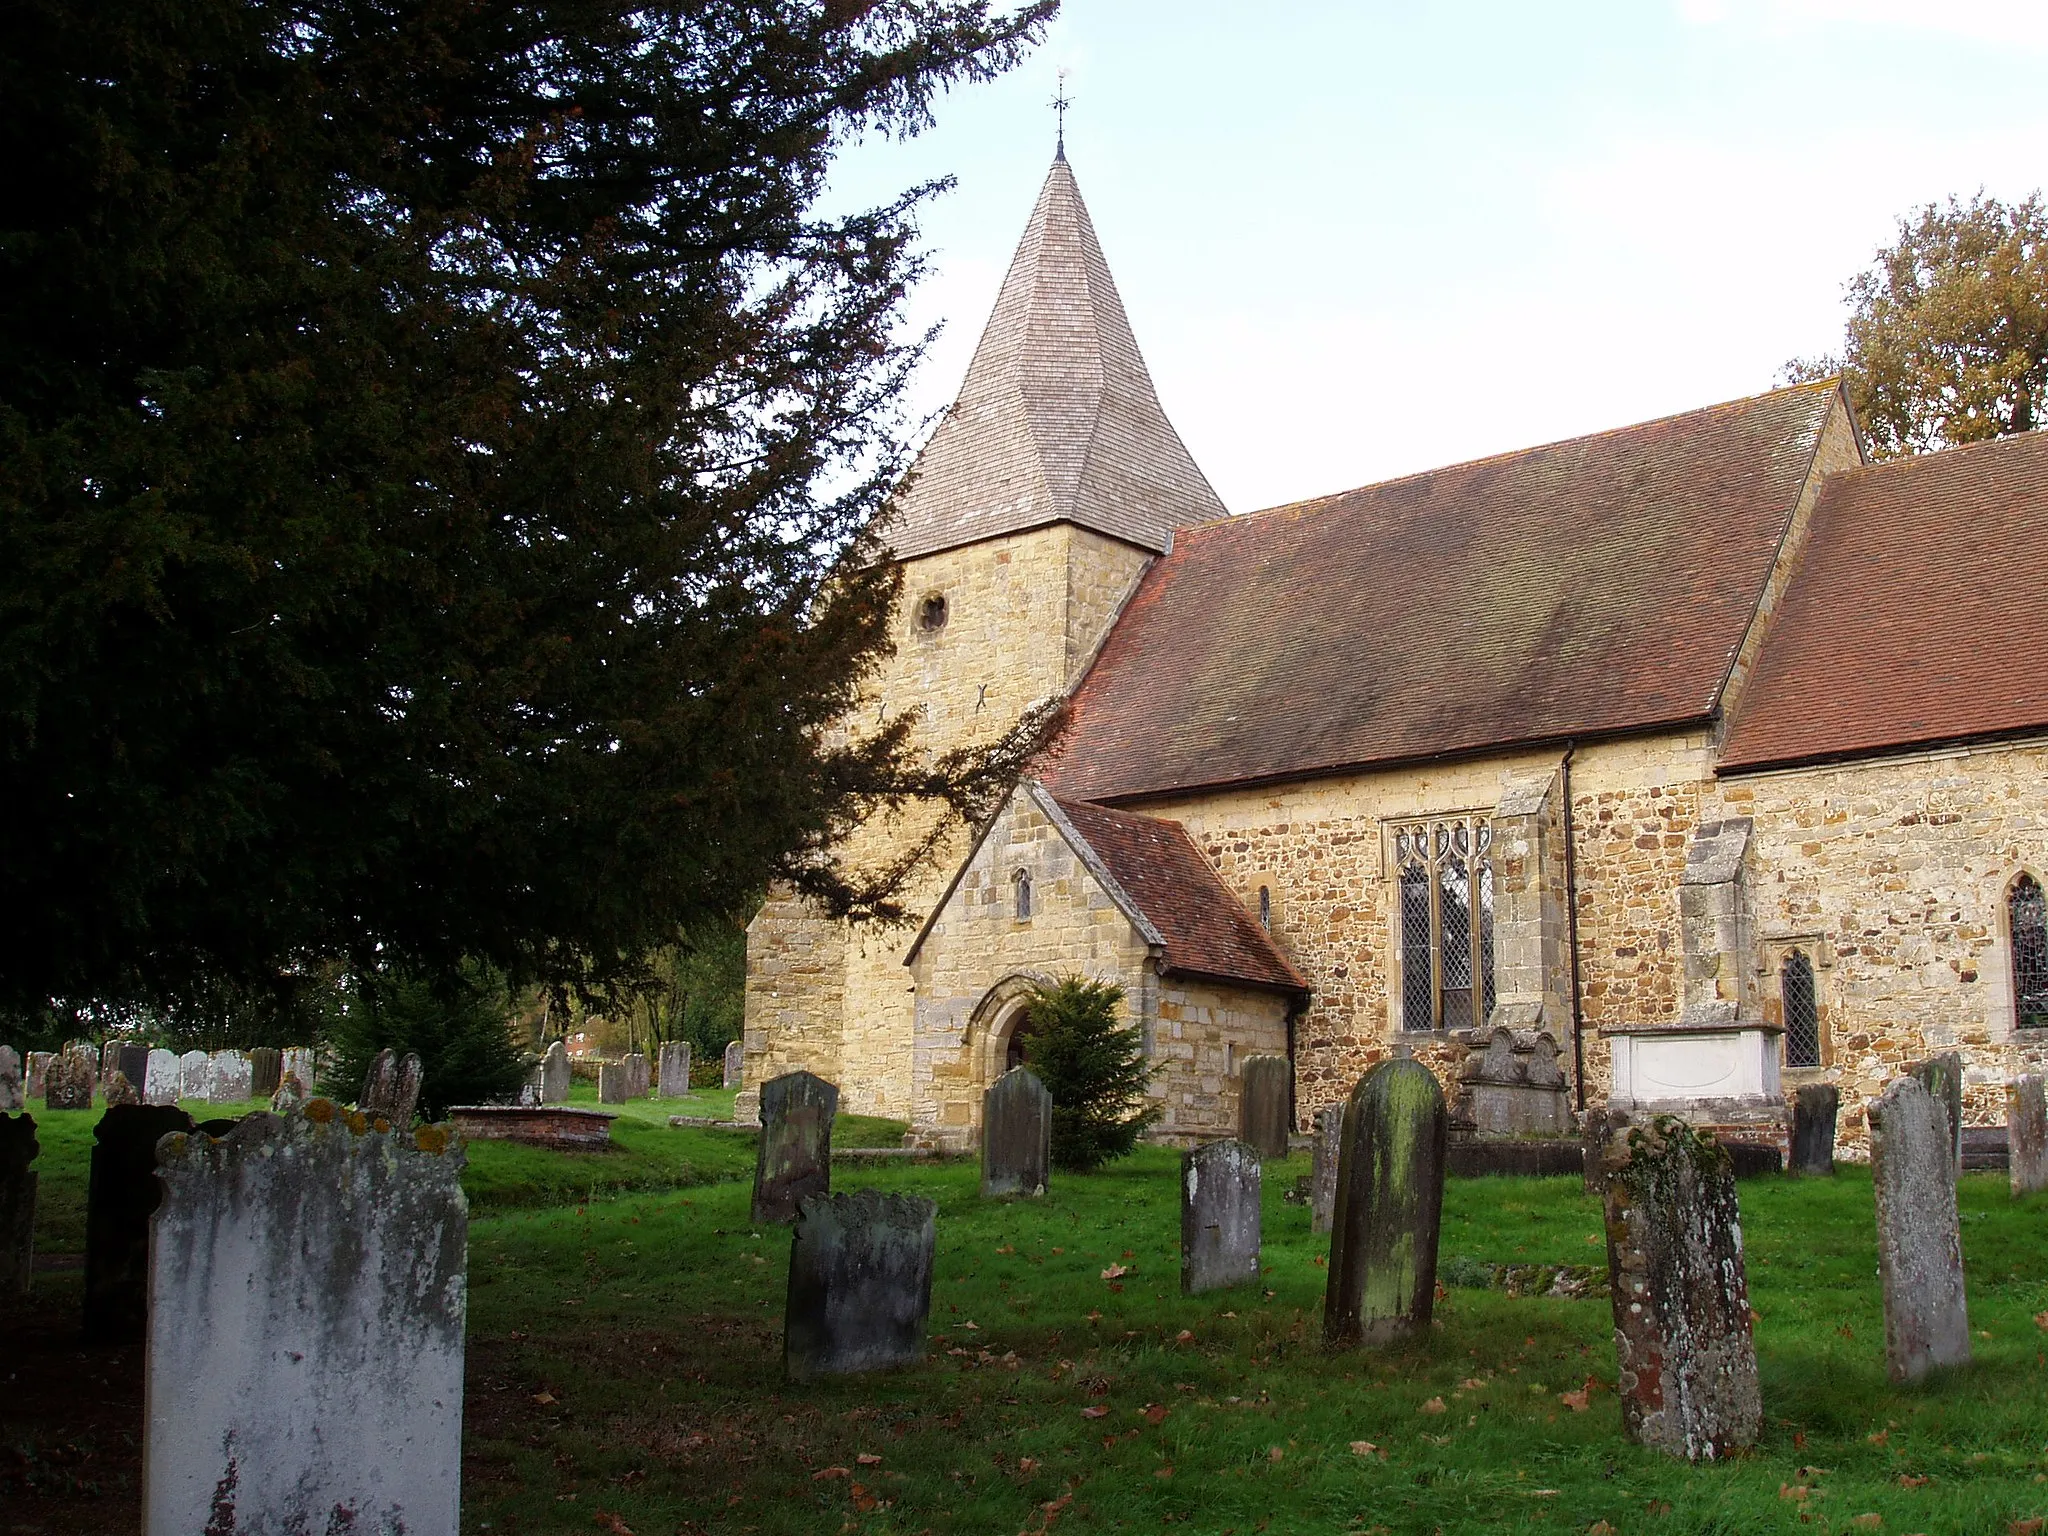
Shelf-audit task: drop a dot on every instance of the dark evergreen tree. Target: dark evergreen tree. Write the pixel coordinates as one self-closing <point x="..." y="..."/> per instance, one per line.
<point x="1094" y="1068"/>
<point x="436" y="439"/>
<point x="459" y="1026"/>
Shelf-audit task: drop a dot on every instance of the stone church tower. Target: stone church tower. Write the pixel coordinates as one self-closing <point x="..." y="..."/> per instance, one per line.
<point x="1050" y="485"/>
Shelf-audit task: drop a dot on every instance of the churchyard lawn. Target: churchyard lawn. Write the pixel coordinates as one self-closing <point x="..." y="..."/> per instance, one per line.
<point x="624" y="1368"/>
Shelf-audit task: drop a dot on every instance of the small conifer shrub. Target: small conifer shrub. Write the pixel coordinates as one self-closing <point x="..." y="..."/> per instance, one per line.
<point x="1093" y="1066"/>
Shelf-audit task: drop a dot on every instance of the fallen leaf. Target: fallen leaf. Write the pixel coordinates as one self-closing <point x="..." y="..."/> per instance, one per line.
<point x="1880" y="1437"/>
<point x="1129" y="1254"/>
<point x="605" y="1520"/>
<point x="544" y="1398"/>
<point x="1576" y="1401"/>
<point x="1367" y="1448"/>
<point x="1095" y="1411"/>
<point x="971" y="1323"/>
<point x="1798" y="1439"/>
<point x="1592" y="1239"/>
<point x="1155" y="1413"/>
<point x="1116" y="1272"/>
<point x="1434" y="1405"/>
<point x="1230" y="1314"/>
<point x="2041" y="1319"/>
<point x="1794" y="1492"/>
<point x="829" y="1472"/>
<point x="1471" y="1384"/>
<point x="1907" y="1480"/>
<point x="1599" y="1528"/>
<point x="863" y="1501"/>
<point x="1868" y="1521"/>
<point x="1094" y="1317"/>
<point x="868" y="1459"/>
<point x="1163" y="1473"/>
<point x="1059" y="1250"/>
<point x="2032" y="1527"/>
<point x="1007" y="1248"/>
<point x="1185" y="1336"/>
<point x="1027" y="1465"/>
<point x="1277" y="1453"/>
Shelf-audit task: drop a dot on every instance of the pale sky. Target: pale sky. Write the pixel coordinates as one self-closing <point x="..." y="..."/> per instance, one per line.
<point x="1360" y="239"/>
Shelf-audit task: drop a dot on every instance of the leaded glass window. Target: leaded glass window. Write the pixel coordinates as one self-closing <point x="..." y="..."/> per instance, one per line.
<point x="1444" y="888"/>
<point x="2027" y="917"/>
<point x="1802" y="1011"/>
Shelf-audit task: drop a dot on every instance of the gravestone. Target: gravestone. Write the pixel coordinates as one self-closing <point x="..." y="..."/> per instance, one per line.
<point x="1016" y="1135"/>
<point x="639" y="1075"/>
<point x="1267" y="1109"/>
<point x="118" y="1090"/>
<point x="391" y="1088"/>
<point x="735" y="1063"/>
<point x="36" y="1078"/>
<point x="266" y="1071"/>
<point x="1814" y="1106"/>
<point x="68" y="1084"/>
<point x="11" y="1097"/>
<point x="18" y="1150"/>
<point x="614" y="1082"/>
<point x="228" y="1078"/>
<point x="860" y="1282"/>
<point x="290" y="1095"/>
<point x="530" y="1090"/>
<point x="1219" y="1217"/>
<point x="1510" y="1084"/>
<point x="1942" y="1076"/>
<point x="2026" y="1134"/>
<point x="555" y="1075"/>
<point x="121" y="1195"/>
<point x="1919" y="1244"/>
<point x="134" y="1064"/>
<point x="298" y="1061"/>
<point x="794" y="1158"/>
<point x="675" y="1069"/>
<point x="194" y="1067"/>
<point x="109" y="1060"/>
<point x="294" y="1382"/>
<point x="1390" y="1195"/>
<point x="1322" y="1179"/>
<point x="161" y="1078"/>
<point x="1682" y="1342"/>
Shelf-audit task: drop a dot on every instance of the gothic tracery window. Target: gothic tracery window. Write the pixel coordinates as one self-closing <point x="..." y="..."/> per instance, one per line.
<point x="1446" y="922"/>
<point x="1802" y="1011"/>
<point x="2026" y="910"/>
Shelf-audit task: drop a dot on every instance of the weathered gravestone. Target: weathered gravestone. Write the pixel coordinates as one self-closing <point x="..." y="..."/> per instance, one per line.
<point x="735" y="1063"/>
<point x="614" y="1082"/>
<point x="860" y="1282"/>
<point x="1219" y="1217"/>
<point x="1322" y="1178"/>
<point x="1682" y="1341"/>
<point x="307" y="1291"/>
<point x="118" y="1090"/>
<point x="290" y="1095"/>
<point x="133" y="1064"/>
<point x="11" y="1096"/>
<point x="2026" y="1134"/>
<point x="555" y="1075"/>
<point x="1919" y="1244"/>
<point x="795" y="1153"/>
<point x="1266" y="1109"/>
<point x="298" y="1061"/>
<point x="194" y="1068"/>
<point x="18" y="1150"/>
<point x="1942" y="1076"/>
<point x="1016" y="1135"/>
<point x="1597" y="1127"/>
<point x="162" y="1078"/>
<point x="36" y="1077"/>
<point x="266" y="1071"/>
<point x="1814" y="1106"/>
<point x="68" y="1084"/>
<point x="109" y="1060"/>
<point x="121" y="1195"/>
<point x="639" y="1074"/>
<point x="227" y="1078"/>
<point x="1390" y="1195"/>
<point x="675" y="1069"/>
<point x="391" y="1088"/>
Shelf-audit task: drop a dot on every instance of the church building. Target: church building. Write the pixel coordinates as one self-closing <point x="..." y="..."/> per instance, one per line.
<point x="1705" y="750"/>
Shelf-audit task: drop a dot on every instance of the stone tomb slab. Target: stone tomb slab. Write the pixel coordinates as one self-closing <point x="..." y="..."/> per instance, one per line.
<point x="18" y="1149"/>
<point x="545" y="1125"/>
<point x="1016" y="1136"/>
<point x="794" y="1158"/>
<point x="121" y="1195"/>
<point x="1267" y="1107"/>
<point x="860" y="1283"/>
<point x="2026" y="1134"/>
<point x="1389" y="1212"/>
<point x="1919" y="1242"/>
<point x="295" y="1382"/>
<point x="1219" y="1216"/>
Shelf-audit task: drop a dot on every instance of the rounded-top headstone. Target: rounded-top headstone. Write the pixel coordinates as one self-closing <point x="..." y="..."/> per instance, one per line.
<point x="1390" y="1194"/>
<point x="1016" y="1135"/>
<point x="794" y="1156"/>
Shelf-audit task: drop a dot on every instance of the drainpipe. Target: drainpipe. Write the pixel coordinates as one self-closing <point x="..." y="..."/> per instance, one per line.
<point x="1571" y="909"/>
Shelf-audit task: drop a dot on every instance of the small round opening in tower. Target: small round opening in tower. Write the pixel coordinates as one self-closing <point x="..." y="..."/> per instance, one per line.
<point x="931" y="613"/>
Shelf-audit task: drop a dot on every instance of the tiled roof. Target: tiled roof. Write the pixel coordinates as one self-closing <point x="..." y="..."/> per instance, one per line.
<point x="1918" y="614"/>
<point x="1057" y="420"/>
<point x="1206" y="929"/>
<point x="1584" y="588"/>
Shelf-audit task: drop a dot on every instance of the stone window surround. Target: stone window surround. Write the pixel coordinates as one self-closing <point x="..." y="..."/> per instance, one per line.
<point x="1771" y="952"/>
<point x="1396" y="1029"/>
<point x="1997" y="967"/>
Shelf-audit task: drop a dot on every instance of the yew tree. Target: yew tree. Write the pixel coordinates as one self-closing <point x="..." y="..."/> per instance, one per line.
<point x="436" y="444"/>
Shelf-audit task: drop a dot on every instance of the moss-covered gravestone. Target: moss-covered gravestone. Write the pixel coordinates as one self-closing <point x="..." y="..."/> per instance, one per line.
<point x="1942" y="1076"/>
<point x="1919" y="1245"/>
<point x="12" y="1098"/>
<point x="1682" y="1342"/>
<point x="1016" y="1135"/>
<point x="1390" y="1195"/>
<point x="72" y="1079"/>
<point x="121" y="1195"/>
<point x="1219" y="1217"/>
<point x="266" y="1071"/>
<point x="860" y="1281"/>
<point x="1814" y="1106"/>
<point x="18" y="1150"/>
<point x="1267" y="1108"/>
<point x="1322" y="1179"/>
<point x="795" y="1154"/>
<point x="2026" y="1133"/>
<point x="391" y="1088"/>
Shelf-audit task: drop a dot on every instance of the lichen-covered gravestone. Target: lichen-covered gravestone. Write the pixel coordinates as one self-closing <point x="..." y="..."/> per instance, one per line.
<point x="36" y="1075"/>
<point x="118" y="1090"/>
<point x="1919" y="1245"/>
<point x="194" y="1068"/>
<point x="614" y="1082"/>
<point x="1219" y="1216"/>
<point x="1016" y="1135"/>
<point x="1322" y="1178"/>
<point x="11" y="1096"/>
<point x="1390" y="1195"/>
<point x="18" y="1150"/>
<point x="110" y="1059"/>
<point x="2026" y="1133"/>
<point x="1682" y="1341"/>
<point x="795" y="1153"/>
<point x="69" y="1084"/>
<point x="1942" y="1076"/>
<point x="162" y="1078"/>
<point x="673" y="1079"/>
<point x="735" y="1063"/>
<point x="307" y="1292"/>
<point x="391" y="1088"/>
<point x="555" y="1075"/>
<point x="1267" y="1103"/>
<point x="860" y="1283"/>
<point x="290" y="1095"/>
<point x="266" y="1071"/>
<point x="228" y="1079"/>
<point x="1814" y="1107"/>
<point x="296" y="1061"/>
<point x="121" y="1195"/>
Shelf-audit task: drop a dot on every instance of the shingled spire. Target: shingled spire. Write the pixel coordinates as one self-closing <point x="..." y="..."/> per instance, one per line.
<point x="1058" y="420"/>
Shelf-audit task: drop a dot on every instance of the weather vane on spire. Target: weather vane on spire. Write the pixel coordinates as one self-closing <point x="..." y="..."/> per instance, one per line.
<point x="1060" y="102"/>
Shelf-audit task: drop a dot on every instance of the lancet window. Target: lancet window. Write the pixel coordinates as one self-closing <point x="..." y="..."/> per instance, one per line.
<point x="1020" y="890"/>
<point x="2026" y="911"/>
<point x="1802" y="1011"/>
<point x="1445" y="893"/>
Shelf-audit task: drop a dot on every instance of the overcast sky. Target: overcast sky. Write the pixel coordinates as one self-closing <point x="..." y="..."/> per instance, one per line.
<point x="1358" y="239"/>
